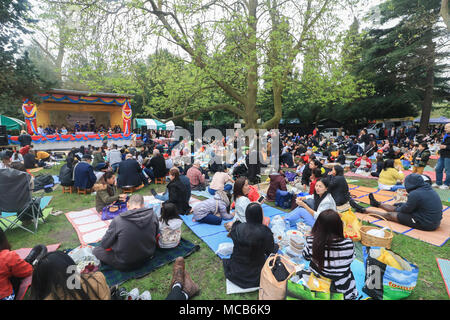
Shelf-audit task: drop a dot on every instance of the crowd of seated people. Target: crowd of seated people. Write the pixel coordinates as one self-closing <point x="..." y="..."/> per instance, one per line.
<point x="134" y="234"/>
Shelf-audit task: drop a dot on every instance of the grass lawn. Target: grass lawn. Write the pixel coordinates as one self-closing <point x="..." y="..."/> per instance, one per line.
<point x="204" y="266"/>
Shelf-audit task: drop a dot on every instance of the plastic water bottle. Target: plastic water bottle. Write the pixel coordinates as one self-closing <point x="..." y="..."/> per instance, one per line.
<point x="287" y="225"/>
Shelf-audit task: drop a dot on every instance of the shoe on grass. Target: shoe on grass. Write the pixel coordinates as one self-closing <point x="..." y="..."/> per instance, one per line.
<point x="444" y="187"/>
<point x="190" y="287"/>
<point x="373" y="202"/>
<point x="435" y="185"/>
<point x="133" y="294"/>
<point x="153" y="192"/>
<point x="178" y="272"/>
<point x="357" y="207"/>
<point x="145" y="296"/>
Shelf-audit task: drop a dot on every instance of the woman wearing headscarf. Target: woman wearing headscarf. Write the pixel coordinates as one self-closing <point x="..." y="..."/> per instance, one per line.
<point x="253" y="243"/>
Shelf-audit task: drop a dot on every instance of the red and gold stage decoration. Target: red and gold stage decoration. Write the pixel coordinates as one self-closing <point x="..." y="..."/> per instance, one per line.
<point x="29" y="110"/>
<point x="126" y="115"/>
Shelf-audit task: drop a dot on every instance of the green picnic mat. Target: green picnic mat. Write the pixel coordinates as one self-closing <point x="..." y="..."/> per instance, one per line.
<point x="160" y="258"/>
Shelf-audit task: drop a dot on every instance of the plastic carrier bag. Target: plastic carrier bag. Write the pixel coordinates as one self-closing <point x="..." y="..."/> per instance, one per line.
<point x="384" y="281"/>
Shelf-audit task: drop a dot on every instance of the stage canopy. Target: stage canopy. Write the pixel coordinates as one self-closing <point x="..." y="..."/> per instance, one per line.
<point x="436" y="120"/>
<point x="153" y="124"/>
<point x="11" y="123"/>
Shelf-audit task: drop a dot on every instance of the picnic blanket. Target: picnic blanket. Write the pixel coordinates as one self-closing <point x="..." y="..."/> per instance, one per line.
<point x="444" y="268"/>
<point x="160" y="258"/>
<point x="26" y="282"/>
<point x="214" y="235"/>
<point x="438" y="237"/>
<point x="203" y="193"/>
<point x="90" y="227"/>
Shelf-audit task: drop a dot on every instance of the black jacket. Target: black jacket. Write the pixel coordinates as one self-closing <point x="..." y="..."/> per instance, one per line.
<point x="445" y="153"/>
<point x="65" y="175"/>
<point x="132" y="237"/>
<point x="253" y="243"/>
<point x="424" y="204"/>
<point x="29" y="161"/>
<point x="159" y="166"/>
<point x="130" y="173"/>
<point x="25" y="140"/>
<point x="178" y="195"/>
<point x="338" y="188"/>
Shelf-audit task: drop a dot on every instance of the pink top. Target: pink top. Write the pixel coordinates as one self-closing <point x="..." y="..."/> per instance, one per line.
<point x="218" y="181"/>
<point x="195" y="176"/>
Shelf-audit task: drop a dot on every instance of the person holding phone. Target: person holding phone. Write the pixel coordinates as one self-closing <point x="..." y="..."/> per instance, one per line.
<point x="310" y="207"/>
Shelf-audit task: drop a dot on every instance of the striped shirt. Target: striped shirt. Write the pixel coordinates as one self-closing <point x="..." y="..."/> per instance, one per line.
<point x="336" y="266"/>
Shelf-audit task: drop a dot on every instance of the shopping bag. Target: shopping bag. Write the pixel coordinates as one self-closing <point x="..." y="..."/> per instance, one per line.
<point x="384" y="281"/>
<point x="352" y="225"/>
<point x="305" y="285"/>
<point x="270" y="287"/>
<point x="84" y="257"/>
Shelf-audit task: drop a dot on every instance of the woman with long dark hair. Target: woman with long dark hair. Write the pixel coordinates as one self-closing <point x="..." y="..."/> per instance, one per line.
<point x="240" y="193"/>
<point x="253" y="243"/>
<point x="331" y="254"/>
<point x="107" y="191"/>
<point x="55" y="278"/>
<point x="310" y="209"/>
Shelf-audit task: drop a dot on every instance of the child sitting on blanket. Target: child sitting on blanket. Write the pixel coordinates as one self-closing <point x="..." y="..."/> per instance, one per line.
<point x="169" y="226"/>
<point x="12" y="267"/>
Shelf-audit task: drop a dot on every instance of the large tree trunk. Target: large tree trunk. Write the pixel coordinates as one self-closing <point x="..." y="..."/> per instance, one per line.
<point x="252" y="72"/>
<point x="429" y="86"/>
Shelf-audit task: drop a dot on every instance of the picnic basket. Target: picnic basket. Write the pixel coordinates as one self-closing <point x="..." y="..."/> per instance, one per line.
<point x="372" y="241"/>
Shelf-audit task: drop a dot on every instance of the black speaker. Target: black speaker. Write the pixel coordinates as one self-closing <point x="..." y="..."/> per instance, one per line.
<point x="2" y="130"/>
<point x="3" y="140"/>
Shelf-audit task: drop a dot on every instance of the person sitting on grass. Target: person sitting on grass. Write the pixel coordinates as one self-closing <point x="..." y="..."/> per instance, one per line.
<point x="277" y="182"/>
<point x="362" y="164"/>
<point x="130" y="173"/>
<point x="253" y="243"/>
<point x="422" y="211"/>
<point x="5" y="159"/>
<point x="196" y="177"/>
<point x="169" y="226"/>
<point x="220" y="179"/>
<point x="51" y="279"/>
<point x="12" y="268"/>
<point x="331" y="254"/>
<point x="316" y="174"/>
<point x="310" y="209"/>
<point x="29" y="160"/>
<point x="389" y="176"/>
<point x="338" y="186"/>
<point x="212" y="211"/>
<point x="130" y="240"/>
<point x="107" y="191"/>
<point x="84" y="176"/>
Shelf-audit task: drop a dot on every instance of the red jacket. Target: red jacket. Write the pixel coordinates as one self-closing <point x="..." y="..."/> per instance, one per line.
<point x="11" y="265"/>
<point x="358" y="162"/>
<point x="24" y="150"/>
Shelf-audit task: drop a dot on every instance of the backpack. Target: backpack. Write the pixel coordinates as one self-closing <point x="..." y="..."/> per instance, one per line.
<point x="43" y="181"/>
<point x="283" y="199"/>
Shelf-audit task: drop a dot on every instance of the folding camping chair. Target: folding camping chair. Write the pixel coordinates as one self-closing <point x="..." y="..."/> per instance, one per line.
<point x="16" y="200"/>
